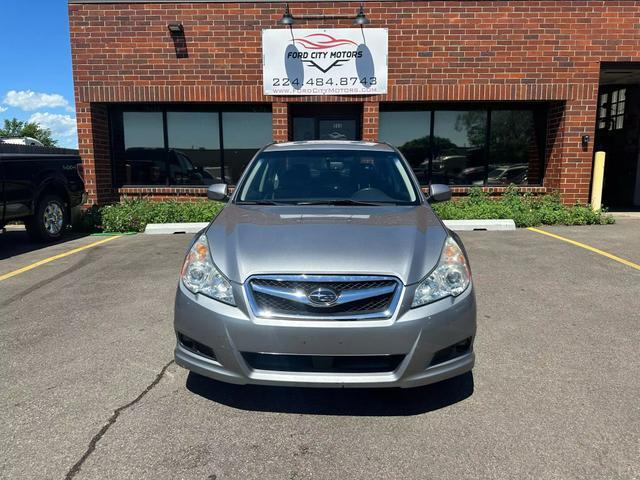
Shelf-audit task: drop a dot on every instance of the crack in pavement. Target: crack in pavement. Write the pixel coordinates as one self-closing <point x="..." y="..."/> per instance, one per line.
<point x="112" y="419"/>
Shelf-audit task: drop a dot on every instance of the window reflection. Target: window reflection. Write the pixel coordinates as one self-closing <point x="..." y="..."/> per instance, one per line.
<point x="191" y="153"/>
<point x="459" y="139"/>
<point x="611" y="109"/>
<point x="409" y="132"/>
<point x="244" y="133"/>
<point x="458" y="149"/>
<point x="513" y="148"/>
<point x="194" y="148"/>
<point x="304" y="128"/>
<point x="291" y="177"/>
<point x="144" y="154"/>
<point x="338" y="129"/>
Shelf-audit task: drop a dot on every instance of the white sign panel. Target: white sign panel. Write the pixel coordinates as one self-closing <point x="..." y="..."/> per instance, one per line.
<point x="336" y="61"/>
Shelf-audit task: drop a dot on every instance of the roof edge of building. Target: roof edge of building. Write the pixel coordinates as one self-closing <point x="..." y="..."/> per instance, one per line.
<point x="72" y="2"/>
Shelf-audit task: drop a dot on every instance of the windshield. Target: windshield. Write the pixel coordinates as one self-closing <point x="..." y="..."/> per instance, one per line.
<point x="328" y="177"/>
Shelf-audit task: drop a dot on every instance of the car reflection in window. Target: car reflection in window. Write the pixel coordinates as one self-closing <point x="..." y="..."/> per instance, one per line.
<point x="182" y="171"/>
<point x="507" y="174"/>
<point x="148" y="166"/>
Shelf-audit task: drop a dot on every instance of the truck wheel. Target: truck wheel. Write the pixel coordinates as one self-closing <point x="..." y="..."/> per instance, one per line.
<point x="49" y="221"/>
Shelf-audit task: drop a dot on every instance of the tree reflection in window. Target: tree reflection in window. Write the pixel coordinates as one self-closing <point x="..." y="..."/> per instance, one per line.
<point x="470" y="147"/>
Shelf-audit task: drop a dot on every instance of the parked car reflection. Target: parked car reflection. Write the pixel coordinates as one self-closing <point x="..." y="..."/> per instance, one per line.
<point x="153" y="166"/>
<point x="470" y="176"/>
<point x="459" y="166"/>
<point x="506" y="174"/>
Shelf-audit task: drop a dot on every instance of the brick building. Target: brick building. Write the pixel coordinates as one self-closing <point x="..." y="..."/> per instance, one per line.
<point x="171" y="96"/>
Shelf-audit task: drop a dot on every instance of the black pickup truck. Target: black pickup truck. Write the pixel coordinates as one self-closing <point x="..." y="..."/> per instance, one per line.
<point x="40" y="186"/>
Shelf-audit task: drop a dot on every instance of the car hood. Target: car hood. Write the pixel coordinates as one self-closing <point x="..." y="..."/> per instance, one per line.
<point x="401" y="241"/>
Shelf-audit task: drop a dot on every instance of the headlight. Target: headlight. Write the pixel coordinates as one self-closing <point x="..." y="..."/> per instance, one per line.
<point x="451" y="277"/>
<point x="199" y="274"/>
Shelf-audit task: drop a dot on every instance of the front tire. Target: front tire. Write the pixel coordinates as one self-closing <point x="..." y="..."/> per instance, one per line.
<point x="49" y="220"/>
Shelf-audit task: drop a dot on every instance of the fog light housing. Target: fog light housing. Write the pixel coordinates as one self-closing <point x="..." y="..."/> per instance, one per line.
<point x="196" y="347"/>
<point x="452" y="351"/>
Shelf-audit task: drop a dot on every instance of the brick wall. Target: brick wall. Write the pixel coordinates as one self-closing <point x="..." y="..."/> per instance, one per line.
<point x="93" y="145"/>
<point x="280" y="114"/>
<point x="370" y="121"/>
<point x="438" y="51"/>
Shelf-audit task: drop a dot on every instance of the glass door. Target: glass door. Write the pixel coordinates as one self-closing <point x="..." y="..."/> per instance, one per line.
<point x="337" y="129"/>
<point x="325" y="122"/>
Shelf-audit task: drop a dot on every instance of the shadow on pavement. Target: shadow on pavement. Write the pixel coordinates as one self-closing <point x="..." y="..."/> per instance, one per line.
<point x="333" y="401"/>
<point x="17" y="242"/>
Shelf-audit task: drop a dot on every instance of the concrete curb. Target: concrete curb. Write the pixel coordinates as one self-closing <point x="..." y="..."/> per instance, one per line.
<point x="489" y="225"/>
<point x="457" y="225"/>
<point x="171" y="228"/>
<point x="632" y="215"/>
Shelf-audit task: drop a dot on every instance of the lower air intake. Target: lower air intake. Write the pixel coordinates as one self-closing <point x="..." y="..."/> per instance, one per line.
<point x="323" y="363"/>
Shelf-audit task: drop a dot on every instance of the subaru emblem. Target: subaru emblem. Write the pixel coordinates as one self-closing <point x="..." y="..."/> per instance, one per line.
<point x="322" y="297"/>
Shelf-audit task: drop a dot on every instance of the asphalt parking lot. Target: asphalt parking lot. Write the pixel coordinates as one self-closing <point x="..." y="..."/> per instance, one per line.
<point x="89" y="389"/>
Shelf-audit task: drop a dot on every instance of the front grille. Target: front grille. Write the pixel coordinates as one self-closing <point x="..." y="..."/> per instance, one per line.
<point x="356" y="297"/>
<point x="338" y="286"/>
<point x="323" y="363"/>
<point x="281" y="305"/>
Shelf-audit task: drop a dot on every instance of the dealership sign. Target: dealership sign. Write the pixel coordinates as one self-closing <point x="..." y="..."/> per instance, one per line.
<point x="337" y="61"/>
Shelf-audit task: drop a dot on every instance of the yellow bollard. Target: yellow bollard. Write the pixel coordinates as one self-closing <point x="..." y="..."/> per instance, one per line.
<point x="596" y="185"/>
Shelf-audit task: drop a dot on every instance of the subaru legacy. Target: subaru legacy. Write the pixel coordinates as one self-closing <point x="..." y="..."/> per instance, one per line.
<point x="327" y="267"/>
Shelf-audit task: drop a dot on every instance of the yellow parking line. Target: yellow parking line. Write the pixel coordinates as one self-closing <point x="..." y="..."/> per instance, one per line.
<point x="56" y="257"/>
<point x="628" y="263"/>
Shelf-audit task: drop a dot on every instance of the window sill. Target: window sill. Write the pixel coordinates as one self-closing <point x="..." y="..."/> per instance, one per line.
<point x="195" y="190"/>
<point x="201" y="191"/>
<point x="493" y="190"/>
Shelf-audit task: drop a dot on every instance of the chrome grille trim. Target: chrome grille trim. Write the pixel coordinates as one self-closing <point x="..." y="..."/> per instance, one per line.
<point x="346" y="295"/>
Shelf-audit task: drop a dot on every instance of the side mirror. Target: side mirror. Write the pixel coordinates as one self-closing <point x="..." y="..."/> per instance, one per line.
<point x="439" y="193"/>
<point x="218" y="191"/>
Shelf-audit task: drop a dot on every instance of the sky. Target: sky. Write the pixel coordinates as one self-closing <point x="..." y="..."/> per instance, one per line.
<point x="36" y="83"/>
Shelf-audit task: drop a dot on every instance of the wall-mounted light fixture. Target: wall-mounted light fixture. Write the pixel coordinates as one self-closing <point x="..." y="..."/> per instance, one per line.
<point x="361" y="18"/>
<point x="176" y="28"/>
<point x="288" y="19"/>
<point x="585" y="141"/>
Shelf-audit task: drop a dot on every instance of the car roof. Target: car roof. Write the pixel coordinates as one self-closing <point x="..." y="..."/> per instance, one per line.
<point x="329" y="145"/>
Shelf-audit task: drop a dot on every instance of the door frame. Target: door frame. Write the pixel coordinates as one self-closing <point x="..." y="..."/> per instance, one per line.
<point x="621" y="171"/>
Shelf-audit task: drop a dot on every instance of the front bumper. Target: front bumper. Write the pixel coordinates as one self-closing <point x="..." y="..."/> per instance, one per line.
<point x="417" y="334"/>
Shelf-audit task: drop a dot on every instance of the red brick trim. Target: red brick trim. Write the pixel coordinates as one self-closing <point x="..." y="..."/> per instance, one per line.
<point x="396" y="93"/>
<point x="158" y="194"/>
<point x="135" y="190"/>
<point x="196" y="193"/>
<point x="461" y="191"/>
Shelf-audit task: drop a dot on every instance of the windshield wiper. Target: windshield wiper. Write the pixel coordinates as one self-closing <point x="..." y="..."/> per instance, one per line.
<point x="259" y="202"/>
<point x="342" y="201"/>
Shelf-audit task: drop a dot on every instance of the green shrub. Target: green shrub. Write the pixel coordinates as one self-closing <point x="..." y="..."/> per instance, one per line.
<point x="133" y="215"/>
<point x="526" y="210"/>
<point x="88" y="220"/>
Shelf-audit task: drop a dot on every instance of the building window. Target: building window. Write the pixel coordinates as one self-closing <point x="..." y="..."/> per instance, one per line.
<point x="194" y="148"/>
<point x="459" y="147"/>
<point x="611" y="109"/>
<point x="144" y="156"/>
<point x="515" y="148"/>
<point x="183" y="146"/>
<point x="244" y="134"/>
<point x="409" y="132"/>
<point x="472" y="146"/>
